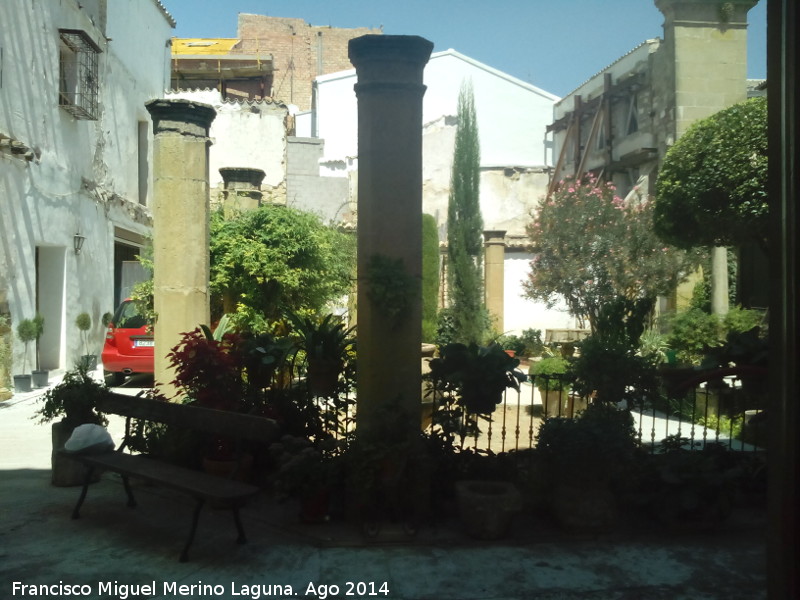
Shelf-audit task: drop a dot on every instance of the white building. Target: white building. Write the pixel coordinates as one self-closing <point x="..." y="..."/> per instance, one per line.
<point x="516" y="156"/>
<point x="75" y="159"/>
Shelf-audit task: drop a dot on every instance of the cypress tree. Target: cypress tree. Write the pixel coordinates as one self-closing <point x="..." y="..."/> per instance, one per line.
<point x="430" y="277"/>
<point x="465" y="226"/>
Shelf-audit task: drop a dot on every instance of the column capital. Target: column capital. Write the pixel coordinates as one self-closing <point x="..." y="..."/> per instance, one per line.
<point x="179" y="115"/>
<point x="394" y="60"/>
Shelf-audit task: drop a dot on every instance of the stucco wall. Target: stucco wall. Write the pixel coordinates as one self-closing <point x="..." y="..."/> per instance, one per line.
<point x="83" y="175"/>
<point x="245" y="134"/>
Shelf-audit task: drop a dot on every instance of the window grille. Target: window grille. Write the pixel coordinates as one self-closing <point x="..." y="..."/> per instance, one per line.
<point x="78" y="74"/>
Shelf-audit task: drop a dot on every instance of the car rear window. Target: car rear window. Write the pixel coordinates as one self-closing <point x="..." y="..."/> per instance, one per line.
<point x="128" y="317"/>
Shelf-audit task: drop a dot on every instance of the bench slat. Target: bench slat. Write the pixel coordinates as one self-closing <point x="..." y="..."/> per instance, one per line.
<point x="208" y="420"/>
<point x="196" y="483"/>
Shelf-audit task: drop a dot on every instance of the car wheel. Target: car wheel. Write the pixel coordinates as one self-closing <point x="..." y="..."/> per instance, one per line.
<point x="114" y="378"/>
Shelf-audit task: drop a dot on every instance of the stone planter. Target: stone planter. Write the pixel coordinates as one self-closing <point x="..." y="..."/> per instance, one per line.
<point x="487" y="507"/>
<point x="22" y="384"/>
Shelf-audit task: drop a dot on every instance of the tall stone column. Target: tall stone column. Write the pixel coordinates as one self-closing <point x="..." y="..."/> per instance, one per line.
<point x="389" y="90"/>
<point x="180" y="223"/>
<point x="705" y="44"/>
<point x="242" y="188"/>
<point x="494" y="242"/>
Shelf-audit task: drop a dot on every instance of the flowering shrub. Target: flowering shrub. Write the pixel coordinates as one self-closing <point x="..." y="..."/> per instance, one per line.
<point x="591" y="246"/>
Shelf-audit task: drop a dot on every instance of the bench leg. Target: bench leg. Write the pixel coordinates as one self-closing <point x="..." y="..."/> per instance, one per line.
<point x="237" y="519"/>
<point x="76" y="512"/>
<point x="131" y="499"/>
<point x="195" y="517"/>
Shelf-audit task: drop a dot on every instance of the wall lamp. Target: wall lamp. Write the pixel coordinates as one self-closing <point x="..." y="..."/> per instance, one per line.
<point x="77" y="242"/>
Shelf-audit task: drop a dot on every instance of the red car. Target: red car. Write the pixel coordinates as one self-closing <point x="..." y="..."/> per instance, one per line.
<point x="129" y="345"/>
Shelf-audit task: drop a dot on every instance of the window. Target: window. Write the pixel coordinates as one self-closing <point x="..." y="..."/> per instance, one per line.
<point x="78" y="74"/>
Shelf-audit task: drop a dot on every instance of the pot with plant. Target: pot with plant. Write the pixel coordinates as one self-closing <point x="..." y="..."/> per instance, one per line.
<point x="84" y="323"/>
<point x="26" y="332"/>
<point x="583" y="459"/>
<point x="40" y="376"/>
<point x="325" y="343"/>
<point x="550" y="377"/>
<point x="74" y="402"/>
<point x="479" y="374"/>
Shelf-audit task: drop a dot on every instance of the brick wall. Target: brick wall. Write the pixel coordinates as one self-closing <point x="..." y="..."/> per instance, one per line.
<point x="300" y="52"/>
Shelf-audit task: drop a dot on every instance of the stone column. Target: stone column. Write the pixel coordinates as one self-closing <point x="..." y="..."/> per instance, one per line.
<point x="389" y="92"/>
<point x="180" y="223"/>
<point x="494" y="242"/>
<point x="699" y="86"/>
<point x="242" y="188"/>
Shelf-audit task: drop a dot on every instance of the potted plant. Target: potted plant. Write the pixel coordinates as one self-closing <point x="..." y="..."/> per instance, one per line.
<point x="39" y="376"/>
<point x="26" y="332"/>
<point x="74" y="400"/>
<point x="84" y="323"/>
<point x="583" y="458"/>
<point x="325" y="343"/>
<point x="549" y="376"/>
<point x="479" y="374"/>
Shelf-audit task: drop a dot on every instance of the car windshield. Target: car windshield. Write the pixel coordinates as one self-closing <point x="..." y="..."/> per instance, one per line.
<point x="128" y="317"/>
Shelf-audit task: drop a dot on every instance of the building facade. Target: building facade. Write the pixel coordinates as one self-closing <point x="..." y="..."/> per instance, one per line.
<point x="620" y="123"/>
<point x="75" y="160"/>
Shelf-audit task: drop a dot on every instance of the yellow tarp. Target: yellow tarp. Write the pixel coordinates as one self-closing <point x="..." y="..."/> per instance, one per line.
<point x="189" y="46"/>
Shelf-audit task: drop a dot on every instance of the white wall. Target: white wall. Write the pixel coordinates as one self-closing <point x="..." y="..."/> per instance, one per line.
<point x="84" y="174"/>
<point x="512" y="115"/>
<point x="522" y="313"/>
<point x="244" y="134"/>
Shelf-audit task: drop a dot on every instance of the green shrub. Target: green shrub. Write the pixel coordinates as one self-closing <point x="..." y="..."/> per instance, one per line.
<point x="692" y="333"/>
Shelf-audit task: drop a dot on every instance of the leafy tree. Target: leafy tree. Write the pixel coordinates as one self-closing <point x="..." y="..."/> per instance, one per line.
<point x="592" y="248"/>
<point x="712" y="187"/>
<point x="274" y="259"/>
<point x="430" y="277"/>
<point x="465" y="226"/>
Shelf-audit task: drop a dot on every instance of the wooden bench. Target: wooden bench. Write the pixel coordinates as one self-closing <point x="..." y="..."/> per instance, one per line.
<point x="203" y="487"/>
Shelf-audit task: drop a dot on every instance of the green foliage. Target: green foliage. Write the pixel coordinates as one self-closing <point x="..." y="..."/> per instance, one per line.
<point x="479" y="374"/>
<point x="465" y="226"/>
<point x="598" y="444"/>
<point x="142" y="292"/>
<point x="550" y="366"/>
<point x="609" y="364"/>
<point x="532" y="340"/>
<point x="277" y="258"/>
<point x="75" y="399"/>
<point x="692" y="332"/>
<point x="430" y="277"/>
<point x="390" y="287"/>
<point x="712" y="186"/>
<point x="26" y="332"/>
<point x="740" y="319"/>
<point x="84" y="323"/>
<point x="590" y="247"/>
<point x="325" y="339"/>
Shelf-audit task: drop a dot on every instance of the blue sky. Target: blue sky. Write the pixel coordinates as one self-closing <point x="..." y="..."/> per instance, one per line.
<point x="555" y="45"/>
